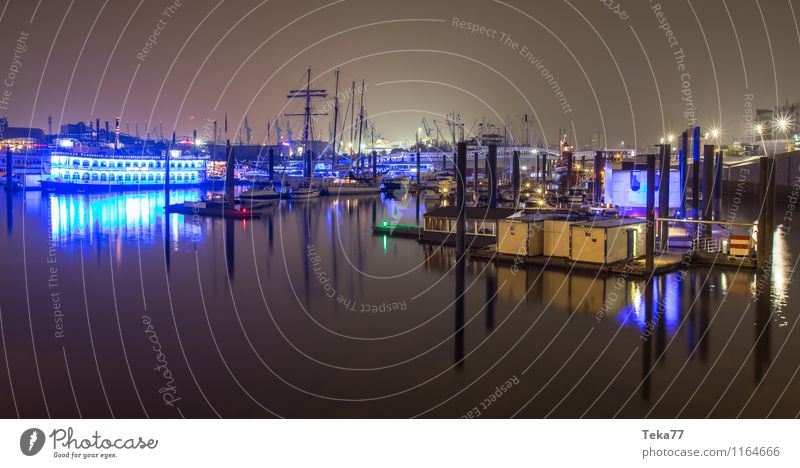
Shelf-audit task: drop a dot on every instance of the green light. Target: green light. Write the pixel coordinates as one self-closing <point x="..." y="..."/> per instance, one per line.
<point x="385" y="243"/>
<point x="385" y="223"/>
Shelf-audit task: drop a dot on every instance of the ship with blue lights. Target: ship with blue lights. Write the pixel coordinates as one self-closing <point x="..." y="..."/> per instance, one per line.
<point x="97" y="169"/>
<point x="115" y="162"/>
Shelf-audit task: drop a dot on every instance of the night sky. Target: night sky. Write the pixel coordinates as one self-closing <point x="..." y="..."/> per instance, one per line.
<point x="617" y="64"/>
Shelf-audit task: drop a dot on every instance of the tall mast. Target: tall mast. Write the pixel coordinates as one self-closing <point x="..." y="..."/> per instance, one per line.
<point x="352" y="115"/>
<point x="360" y="122"/>
<point x="307" y="128"/>
<point x="335" y="117"/>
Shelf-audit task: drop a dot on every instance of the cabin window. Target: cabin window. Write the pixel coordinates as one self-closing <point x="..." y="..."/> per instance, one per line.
<point x="150" y="177"/>
<point x="151" y="164"/>
<point x="85" y="176"/>
<point x="94" y="176"/>
<point x="95" y="163"/>
<point x="436" y="224"/>
<point x="486" y="228"/>
<point x="103" y="177"/>
<point x="136" y="177"/>
<point x="103" y="164"/>
<point x="127" y="177"/>
<point x="127" y="164"/>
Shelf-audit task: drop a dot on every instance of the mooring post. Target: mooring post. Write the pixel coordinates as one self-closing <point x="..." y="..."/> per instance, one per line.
<point x="708" y="182"/>
<point x="569" y="169"/>
<point x="761" y="236"/>
<point x="475" y="176"/>
<point x="374" y="166"/>
<point x="682" y="171"/>
<point x="598" y="176"/>
<point x="650" y="238"/>
<point x="9" y="170"/>
<point x="582" y="172"/>
<point x="696" y="174"/>
<point x="492" y="160"/>
<point x="718" y="158"/>
<point x="663" y="198"/>
<point x="166" y="177"/>
<point x="229" y="167"/>
<point x="271" y="165"/>
<point x="544" y="167"/>
<point x="515" y="175"/>
<point x="461" y="187"/>
<point x="769" y="210"/>
<point x="419" y="179"/>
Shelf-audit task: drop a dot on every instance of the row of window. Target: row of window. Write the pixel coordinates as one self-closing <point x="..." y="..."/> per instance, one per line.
<point x="473" y="227"/>
<point x="129" y="177"/>
<point x="137" y="164"/>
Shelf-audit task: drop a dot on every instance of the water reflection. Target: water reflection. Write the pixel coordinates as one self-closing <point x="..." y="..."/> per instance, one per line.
<point x="130" y="215"/>
<point x="704" y="315"/>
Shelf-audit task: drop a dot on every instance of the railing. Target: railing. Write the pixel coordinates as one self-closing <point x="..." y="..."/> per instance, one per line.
<point x="729" y="238"/>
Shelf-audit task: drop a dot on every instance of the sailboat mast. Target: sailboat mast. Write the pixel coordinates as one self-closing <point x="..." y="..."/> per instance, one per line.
<point x="307" y="129"/>
<point x="360" y="125"/>
<point x="352" y="115"/>
<point x="335" y="118"/>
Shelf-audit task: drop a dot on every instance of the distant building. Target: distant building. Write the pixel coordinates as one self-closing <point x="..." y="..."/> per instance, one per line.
<point x="29" y="153"/>
<point x="767" y="117"/>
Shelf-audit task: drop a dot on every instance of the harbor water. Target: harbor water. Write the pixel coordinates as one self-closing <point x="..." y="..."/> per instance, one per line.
<point x="110" y="308"/>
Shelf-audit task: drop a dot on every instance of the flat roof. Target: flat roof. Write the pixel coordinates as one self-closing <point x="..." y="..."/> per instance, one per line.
<point x="472" y="212"/>
<point x="610" y="222"/>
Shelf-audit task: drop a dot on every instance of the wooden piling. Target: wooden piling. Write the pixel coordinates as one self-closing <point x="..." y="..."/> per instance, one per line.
<point x="461" y="187"/>
<point x="598" y="176"/>
<point x="696" y="174"/>
<point x="271" y="165"/>
<point x="663" y="198"/>
<point x="419" y="164"/>
<point x="651" y="202"/>
<point x="761" y="237"/>
<point x="718" y="158"/>
<point x="492" y="175"/>
<point x="708" y="182"/>
<point x="515" y="175"/>
<point x="682" y="169"/>
<point x="9" y="170"/>
<point x="229" y="167"/>
<point x="166" y="176"/>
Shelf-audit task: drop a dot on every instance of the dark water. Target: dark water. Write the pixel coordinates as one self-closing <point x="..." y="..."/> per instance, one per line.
<point x="304" y="313"/>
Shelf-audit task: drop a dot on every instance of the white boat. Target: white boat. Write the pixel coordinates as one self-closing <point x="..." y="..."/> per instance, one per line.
<point x="432" y="193"/>
<point x="259" y="198"/>
<point x="397" y="183"/>
<point x="347" y="186"/>
<point x="304" y="191"/>
<point x="440" y="185"/>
